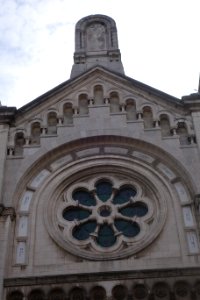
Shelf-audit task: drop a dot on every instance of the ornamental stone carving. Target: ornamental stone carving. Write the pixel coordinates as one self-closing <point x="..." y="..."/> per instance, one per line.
<point x="97" y="214"/>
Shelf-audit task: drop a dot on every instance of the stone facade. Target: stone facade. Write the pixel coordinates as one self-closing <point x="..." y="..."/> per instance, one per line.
<point x="99" y="185"/>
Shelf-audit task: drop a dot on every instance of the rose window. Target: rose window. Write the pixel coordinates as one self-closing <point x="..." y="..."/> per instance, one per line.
<point x="105" y="214"/>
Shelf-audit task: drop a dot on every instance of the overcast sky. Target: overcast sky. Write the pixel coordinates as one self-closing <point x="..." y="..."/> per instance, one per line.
<point x="159" y="42"/>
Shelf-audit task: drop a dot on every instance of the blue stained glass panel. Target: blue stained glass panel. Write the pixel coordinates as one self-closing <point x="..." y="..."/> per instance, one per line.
<point x="124" y="195"/>
<point x="137" y="209"/>
<point x="75" y="213"/>
<point x="83" y="231"/>
<point x="104" y="190"/>
<point x="84" y="198"/>
<point x="129" y="229"/>
<point x="106" y="237"/>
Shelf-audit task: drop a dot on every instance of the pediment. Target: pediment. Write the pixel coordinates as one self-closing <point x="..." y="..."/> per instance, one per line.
<point x="104" y="101"/>
<point x="70" y="90"/>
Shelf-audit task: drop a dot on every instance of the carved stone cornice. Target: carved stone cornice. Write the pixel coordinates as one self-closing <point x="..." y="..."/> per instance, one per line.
<point x="164" y="274"/>
<point x="7" y="114"/>
<point x="7" y="211"/>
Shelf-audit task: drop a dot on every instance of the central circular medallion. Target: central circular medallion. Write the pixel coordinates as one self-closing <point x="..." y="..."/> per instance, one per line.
<point x="104" y="211"/>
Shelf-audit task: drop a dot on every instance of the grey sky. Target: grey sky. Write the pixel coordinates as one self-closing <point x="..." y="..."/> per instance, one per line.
<point x="158" y="39"/>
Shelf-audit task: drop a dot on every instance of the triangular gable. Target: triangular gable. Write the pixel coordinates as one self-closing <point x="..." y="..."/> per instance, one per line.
<point x="89" y="75"/>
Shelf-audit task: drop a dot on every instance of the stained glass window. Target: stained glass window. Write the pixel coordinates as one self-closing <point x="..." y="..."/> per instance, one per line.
<point x="124" y="195"/>
<point x="104" y="190"/>
<point x="96" y="213"/>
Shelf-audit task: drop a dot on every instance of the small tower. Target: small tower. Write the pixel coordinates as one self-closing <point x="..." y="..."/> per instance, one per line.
<point x="96" y="43"/>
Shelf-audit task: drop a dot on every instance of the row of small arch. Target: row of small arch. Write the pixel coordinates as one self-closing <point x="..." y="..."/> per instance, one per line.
<point x="160" y="290"/>
<point x="51" y="129"/>
<point x="69" y="110"/>
<point x="146" y="115"/>
<point x="99" y="97"/>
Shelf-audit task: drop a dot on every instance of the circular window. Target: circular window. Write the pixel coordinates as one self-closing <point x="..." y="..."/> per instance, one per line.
<point x="104" y="212"/>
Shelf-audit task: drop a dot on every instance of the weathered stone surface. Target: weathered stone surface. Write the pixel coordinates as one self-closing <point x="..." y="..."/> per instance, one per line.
<point x="107" y="151"/>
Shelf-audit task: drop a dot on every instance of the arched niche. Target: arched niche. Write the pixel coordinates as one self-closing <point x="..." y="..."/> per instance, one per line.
<point x="114" y="102"/>
<point x="16" y="295"/>
<point x="130" y="110"/>
<point x="119" y="292"/>
<point x="161" y="290"/>
<point x="98" y="95"/>
<point x="36" y="294"/>
<point x="83" y="104"/>
<point x="35" y="133"/>
<point x="165" y="125"/>
<point x="19" y="143"/>
<point x="77" y="293"/>
<point x="182" y="290"/>
<point x="106" y="28"/>
<point x="183" y="133"/>
<point x="52" y="123"/>
<point x="147" y="117"/>
<point x="98" y="293"/>
<point x="67" y="114"/>
<point x="56" y="294"/>
<point x="140" y="291"/>
<point x="96" y="36"/>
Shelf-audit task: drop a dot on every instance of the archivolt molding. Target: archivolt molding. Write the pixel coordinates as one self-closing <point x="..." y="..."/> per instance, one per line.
<point x="145" y="164"/>
<point x="156" y="154"/>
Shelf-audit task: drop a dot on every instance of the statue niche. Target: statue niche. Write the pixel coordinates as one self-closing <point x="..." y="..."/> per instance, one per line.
<point x="96" y="37"/>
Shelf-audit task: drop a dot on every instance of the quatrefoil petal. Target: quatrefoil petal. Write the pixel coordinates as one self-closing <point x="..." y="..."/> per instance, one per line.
<point x="75" y="213"/>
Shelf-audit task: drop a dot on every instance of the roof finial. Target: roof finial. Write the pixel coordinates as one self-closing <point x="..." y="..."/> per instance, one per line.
<point x="96" y="43"/>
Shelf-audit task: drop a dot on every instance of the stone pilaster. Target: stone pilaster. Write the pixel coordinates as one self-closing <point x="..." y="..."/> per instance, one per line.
<point x="3" y="152"/>
<point x="196" y="122"/>
<point x="4" y="239"/>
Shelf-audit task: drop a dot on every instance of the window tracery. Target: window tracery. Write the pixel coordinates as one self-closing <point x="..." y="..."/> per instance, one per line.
<point x="102" y="213"/>
<point x="105" y="213"/>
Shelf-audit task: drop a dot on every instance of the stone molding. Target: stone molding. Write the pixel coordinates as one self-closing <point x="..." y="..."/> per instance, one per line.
<point x="160" y="275"/>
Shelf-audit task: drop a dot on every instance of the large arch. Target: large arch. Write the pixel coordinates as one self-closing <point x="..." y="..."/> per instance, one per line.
<point x="145" y="164"/>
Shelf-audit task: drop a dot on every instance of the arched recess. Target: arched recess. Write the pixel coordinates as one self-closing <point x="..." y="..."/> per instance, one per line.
<point x="161" y="291"/>
<point x="148" y="117"/>
<point x="98" y="293"/>
<point x="36" y="294"/>
<point x="56" y="294"/>
<point x="130" y="110"/>
<point x="67" y="114"/>
<point x="15" y="295"/>
<point x="119" y="292"/>
<point x="98" y="95"/>
<point x="19" y="143"/>
<point x="102" y="159"/>
<point x="183" y="133"/>
<point x="107" y="22"/>
<point x="52" y="122"/>
<point x="35" y="133"/>
<point x="114" y="102"/>
<point x="165" y="125"/>
<point x="77" y="293"/>
<point x="83" y="104"/>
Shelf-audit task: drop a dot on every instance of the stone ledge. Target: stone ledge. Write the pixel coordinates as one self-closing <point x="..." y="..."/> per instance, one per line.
<point x="104" y="276"/>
